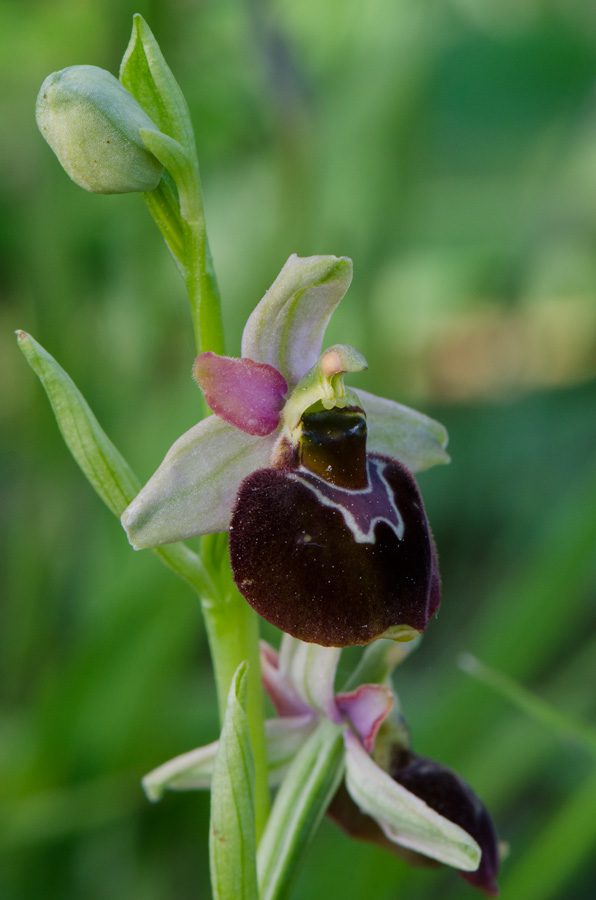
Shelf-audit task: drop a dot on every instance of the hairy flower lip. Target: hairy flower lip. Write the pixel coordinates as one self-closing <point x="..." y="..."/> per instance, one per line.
<point x="330" y="566"/>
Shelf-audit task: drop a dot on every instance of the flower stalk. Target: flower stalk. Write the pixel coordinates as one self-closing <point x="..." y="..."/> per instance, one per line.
<point x="233" y="635"/>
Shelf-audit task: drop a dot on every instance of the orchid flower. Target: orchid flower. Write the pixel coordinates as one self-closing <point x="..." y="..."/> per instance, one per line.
<point x="415" y="807"/>
<point x="328" y="536"/>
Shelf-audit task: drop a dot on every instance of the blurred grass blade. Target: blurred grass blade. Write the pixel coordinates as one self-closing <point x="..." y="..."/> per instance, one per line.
<point x="232" y="837"/>
<point x="557" y="854"/>
<point x="101" y="462"/>
<point x="528" y="702"/>
<point x="301" y="803"/>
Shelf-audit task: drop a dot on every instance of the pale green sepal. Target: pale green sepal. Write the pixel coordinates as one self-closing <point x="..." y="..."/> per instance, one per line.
<point x="286" y="329"/>
<point x="409" y="436"/>
<point x="105" y="467"/>
<point x="190" y="771"/>
<point x="145" y="73"/>
<point x="405" y="818"/>
<point x="193" y="771"/>
<point x="194" y="490"/>
<point x="310" y="669"/>
<point x="232" y="836"/>
<point x="302" y="800"/>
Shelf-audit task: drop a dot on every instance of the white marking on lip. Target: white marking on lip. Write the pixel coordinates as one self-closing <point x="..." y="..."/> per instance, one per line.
<point x="361" y="536"/>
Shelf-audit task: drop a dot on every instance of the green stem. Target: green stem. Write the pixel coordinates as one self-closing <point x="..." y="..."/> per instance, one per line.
<point x="202" y="288"/>
<point x="233" y="633"/>
<point x="232" y="626"/>
<point x="163" y="206"/>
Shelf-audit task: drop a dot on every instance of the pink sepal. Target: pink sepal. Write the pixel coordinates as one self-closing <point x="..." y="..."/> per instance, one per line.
<point x="242" y="392"/>
<point x="367" y="707"/>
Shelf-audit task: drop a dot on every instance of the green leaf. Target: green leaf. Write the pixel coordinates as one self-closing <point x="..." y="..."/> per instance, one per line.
<point x="232" y="838"/>
<point x="145" y="73"/>
<point x="301" y="802"/>
<point x="179" y="164"/>
<point x="105" y="467"/>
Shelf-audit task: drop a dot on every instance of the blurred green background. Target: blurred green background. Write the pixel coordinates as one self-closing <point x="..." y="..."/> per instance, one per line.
<point x="449" y="148"/>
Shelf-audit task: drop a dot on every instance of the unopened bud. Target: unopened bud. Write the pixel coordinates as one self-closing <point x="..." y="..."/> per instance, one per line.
<point x="93" y="125"/>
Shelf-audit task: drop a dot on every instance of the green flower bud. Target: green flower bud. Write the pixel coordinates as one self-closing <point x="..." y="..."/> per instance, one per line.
<point x="94" y="126"/>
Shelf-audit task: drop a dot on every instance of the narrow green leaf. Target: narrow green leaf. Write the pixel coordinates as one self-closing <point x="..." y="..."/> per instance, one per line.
<point x="179" y="164"/>
<point x="105" y="467"/>
<point x="301" y="803"/>
<point x="145" y="73"/>
<point x="232" y="838"/>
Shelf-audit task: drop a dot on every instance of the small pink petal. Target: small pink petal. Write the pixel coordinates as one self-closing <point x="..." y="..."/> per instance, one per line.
<point x="367" y="707"/>
<point x="281" y="692"/>
<point x="242" y="392"/>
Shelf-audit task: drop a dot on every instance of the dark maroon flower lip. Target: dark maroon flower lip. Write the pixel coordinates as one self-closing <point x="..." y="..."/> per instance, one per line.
<point x="331" y="565"/>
